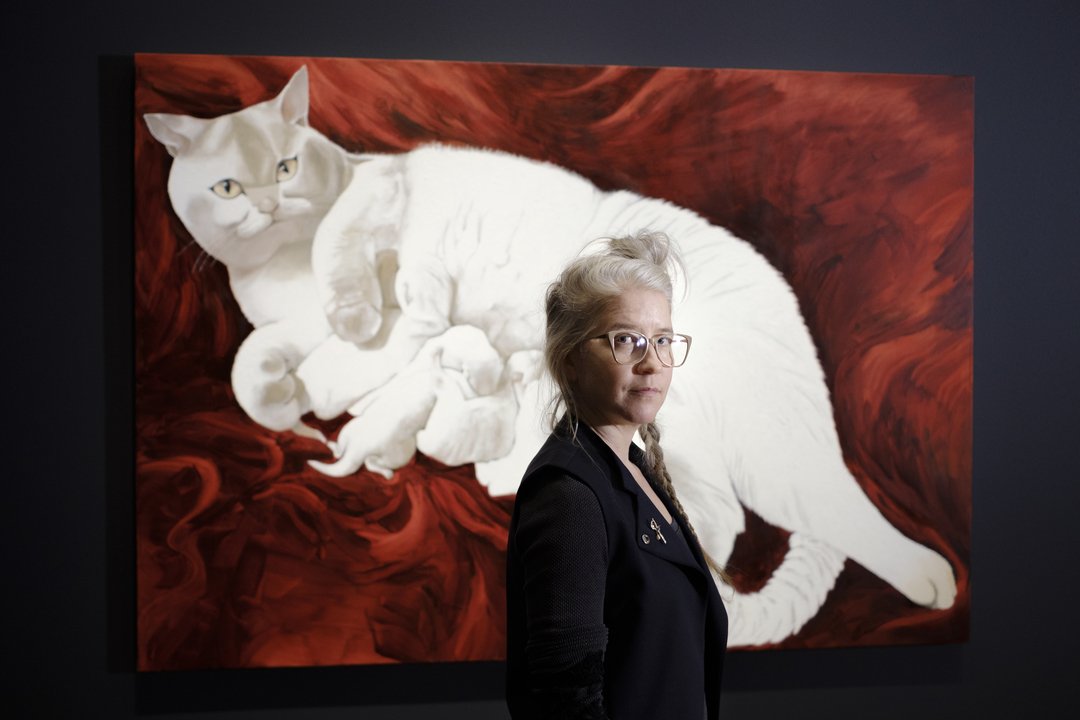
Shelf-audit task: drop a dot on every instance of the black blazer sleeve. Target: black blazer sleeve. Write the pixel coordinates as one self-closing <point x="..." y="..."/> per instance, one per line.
<point x="562" y="543"/>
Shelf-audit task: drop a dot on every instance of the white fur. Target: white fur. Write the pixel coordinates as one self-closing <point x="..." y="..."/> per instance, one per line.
<point x="444" y="353"/>
<point x="263" y="236"/>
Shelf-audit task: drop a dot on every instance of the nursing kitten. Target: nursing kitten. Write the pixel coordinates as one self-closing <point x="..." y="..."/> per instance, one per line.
<point x="407" y="289"/>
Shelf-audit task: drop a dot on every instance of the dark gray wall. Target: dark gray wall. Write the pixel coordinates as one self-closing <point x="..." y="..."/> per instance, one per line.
<point x="68" y="639"/>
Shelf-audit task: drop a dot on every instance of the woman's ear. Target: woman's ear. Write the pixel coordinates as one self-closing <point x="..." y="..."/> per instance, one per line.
<point x="569" y="367"/>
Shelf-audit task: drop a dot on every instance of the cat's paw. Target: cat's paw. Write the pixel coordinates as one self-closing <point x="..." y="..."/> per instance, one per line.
<point x="267" y="388"/>
<point x="357" y="321"/>
<point x="932" y="584"/>
<point x="355" y="308"/>
<point x="357" y="446"/>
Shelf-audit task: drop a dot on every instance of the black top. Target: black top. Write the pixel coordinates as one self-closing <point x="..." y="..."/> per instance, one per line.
<point x="605" y="618"/>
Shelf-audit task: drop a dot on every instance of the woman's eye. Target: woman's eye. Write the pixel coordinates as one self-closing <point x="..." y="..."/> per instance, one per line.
<point x="663" y="340"/>
<point x="286" y="169"/>
<point x="227" y="189"/>
<point x="628" y="339"/>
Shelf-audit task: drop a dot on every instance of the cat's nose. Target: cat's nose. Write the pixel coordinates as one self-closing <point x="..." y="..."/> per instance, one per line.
<point x="268" y="204"/>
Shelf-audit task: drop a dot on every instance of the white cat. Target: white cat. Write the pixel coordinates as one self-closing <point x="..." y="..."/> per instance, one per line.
<point x="251" y="188"/>
<point x="416" y="305"/>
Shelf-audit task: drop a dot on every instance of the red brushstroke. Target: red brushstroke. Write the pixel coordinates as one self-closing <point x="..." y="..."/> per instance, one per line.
<point x="857" y="187"/>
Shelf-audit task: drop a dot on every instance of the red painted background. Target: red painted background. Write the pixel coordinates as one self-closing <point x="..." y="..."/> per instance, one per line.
<point x="857" y="187"/>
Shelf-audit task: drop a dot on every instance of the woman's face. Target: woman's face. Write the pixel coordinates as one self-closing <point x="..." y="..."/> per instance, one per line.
<point x="608" y="393"/>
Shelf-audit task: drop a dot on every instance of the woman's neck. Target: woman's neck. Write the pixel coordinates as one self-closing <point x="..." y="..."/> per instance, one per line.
<point x="616" y="437"/>
<point x="619" y="438"/>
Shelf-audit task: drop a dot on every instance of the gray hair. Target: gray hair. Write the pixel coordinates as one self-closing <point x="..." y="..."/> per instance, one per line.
<point x="588" y="287"/>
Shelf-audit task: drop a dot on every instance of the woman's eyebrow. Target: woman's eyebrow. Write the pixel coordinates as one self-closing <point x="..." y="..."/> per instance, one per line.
<point x="623" y="325"/>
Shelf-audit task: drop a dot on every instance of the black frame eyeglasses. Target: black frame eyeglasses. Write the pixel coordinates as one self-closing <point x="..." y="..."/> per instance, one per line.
<point x="629" y="347"/>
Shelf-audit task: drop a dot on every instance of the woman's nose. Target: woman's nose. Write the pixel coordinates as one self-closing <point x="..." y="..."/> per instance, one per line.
<point x="650" y="363"/>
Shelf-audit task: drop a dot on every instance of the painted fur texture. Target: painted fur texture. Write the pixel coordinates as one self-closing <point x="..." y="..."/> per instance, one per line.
<point x="406" y="289"/>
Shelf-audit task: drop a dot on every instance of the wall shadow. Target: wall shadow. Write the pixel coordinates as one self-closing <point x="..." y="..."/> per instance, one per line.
<point x="273" y="688"/>
<point x="844" y="667"/>
<point x="116" y="109"/>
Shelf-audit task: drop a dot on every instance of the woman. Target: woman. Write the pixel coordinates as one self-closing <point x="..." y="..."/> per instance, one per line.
<point x="611" y="610"/>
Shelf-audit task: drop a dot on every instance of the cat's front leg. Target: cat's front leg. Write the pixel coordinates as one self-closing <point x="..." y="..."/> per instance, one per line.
<point x="264" y="377"/>
<point x="363" y="225"/>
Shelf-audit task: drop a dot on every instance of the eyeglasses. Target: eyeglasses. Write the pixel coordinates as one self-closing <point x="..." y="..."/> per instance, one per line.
<point x="629" y="347"/>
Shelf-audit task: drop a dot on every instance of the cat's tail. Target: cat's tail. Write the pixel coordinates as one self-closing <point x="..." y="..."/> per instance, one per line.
<point x="793" y="595"/>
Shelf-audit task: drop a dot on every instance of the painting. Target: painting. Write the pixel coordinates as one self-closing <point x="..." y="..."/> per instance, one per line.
<point x="339" y="277"/>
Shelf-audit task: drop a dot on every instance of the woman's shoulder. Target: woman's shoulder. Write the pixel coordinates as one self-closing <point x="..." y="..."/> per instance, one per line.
<point x="574" y="458"/>
<point x="554" y="487"/>
<point x="558" y="451"/>
<point x="559" y="510"/>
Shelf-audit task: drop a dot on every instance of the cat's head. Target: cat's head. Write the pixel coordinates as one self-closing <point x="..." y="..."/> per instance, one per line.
<point x="246" y="183"/>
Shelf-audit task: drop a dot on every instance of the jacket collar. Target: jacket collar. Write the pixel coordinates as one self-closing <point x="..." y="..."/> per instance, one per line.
<point x="644" y="510"/>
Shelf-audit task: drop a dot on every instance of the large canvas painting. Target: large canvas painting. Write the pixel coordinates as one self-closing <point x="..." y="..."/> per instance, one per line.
<point x="339" y="272"/>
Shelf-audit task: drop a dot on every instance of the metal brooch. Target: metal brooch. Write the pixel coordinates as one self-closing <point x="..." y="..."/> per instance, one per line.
<point x="659" y="535"/>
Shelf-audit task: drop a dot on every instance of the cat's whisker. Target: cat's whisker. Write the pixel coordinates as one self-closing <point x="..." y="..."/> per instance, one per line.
<point x="187" y="246"/>
<point x="203" y="261"/>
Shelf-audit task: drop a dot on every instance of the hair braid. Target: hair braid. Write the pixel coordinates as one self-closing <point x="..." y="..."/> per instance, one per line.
<point x="654" y="458"/>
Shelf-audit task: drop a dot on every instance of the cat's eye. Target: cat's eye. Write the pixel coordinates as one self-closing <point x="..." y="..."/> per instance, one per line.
<point x="227" y="189"/>
<point x="286" y="169"/>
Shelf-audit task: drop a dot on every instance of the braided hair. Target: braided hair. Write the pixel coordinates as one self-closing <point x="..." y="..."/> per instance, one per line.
<point x="654" y="459"/>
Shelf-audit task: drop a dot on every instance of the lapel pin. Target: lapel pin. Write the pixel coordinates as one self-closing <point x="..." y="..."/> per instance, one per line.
<point x="654" y="526"/>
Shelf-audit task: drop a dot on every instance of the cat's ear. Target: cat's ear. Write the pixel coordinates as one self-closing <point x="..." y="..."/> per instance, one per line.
<point x="175" y="132"/>
<point x="294" y="98"/>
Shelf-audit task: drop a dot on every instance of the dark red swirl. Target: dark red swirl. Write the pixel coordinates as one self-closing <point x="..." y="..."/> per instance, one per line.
<point x="857" y="187"/>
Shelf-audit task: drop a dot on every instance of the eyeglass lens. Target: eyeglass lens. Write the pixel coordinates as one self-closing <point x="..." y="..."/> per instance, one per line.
<point x="631" y="348"/>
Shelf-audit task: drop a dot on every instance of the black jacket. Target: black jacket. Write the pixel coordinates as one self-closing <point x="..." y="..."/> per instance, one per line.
<point x="666" y="624"/>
